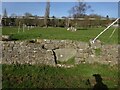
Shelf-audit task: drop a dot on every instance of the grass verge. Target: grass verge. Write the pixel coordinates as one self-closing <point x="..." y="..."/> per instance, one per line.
<point x="40" y="76"/>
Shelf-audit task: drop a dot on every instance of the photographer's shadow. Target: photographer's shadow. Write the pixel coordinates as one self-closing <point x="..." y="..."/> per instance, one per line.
<point x="99" y="84"/>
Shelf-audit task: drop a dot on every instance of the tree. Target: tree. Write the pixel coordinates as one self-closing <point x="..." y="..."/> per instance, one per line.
<point x="5" y="17"/>
<point x="19" y="22"/>
<point x="0" y="20"/>
<point x="35" y="21"/>
<point x="79" y="10"/>
<point x="27" y="15"/>
<point x="96" y="22"/>
<point x="107" y="20"/>
<point x="13" y="15"/>
<point x="47" y="12"/>
<point x="5" y="13"/>
<point x="27" y="20"/>
<point x="53" y="23"/>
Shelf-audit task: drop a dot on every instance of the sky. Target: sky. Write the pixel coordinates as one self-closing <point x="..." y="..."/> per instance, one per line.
<point x="59" y="9"/>
<point x="59" y="0"/>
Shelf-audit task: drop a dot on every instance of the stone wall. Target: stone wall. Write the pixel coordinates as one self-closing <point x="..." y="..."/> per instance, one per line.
<point x="49" y="52"/>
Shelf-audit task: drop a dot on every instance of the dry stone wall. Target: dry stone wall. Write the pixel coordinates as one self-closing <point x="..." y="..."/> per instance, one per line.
<point x="48" y="52"/>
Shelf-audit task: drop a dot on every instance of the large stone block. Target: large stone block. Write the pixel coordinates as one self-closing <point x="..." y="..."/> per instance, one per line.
<point x="65" y="54"/>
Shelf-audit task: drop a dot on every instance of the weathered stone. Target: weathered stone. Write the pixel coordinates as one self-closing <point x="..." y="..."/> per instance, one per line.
<point x="47" y="41"/>
<point x="39" y="40"/>
<point x="50" y="46"/>
<point x="65" y="54"/>
<point x="91" y="59"/>
<point x="80" y="55"/>
<point x="5" y="38"/>
<point x="82" y="45"/>
<point x="46" y="51"/>
<point x="96" y="44"/>
<point x="49" y="58"/>
<point x="79" y="60"/>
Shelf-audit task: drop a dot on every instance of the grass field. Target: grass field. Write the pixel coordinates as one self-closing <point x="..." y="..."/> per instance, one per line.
<point x="40" y="76"/>
<point x="28" y="76"/>
<point x="61" y="33"/>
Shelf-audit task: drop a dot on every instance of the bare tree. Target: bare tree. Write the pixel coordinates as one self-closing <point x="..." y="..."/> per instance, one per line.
<point x="79" y="10"/>
<point x="5" y="13"/>
<point x="5" y="16"/>
<point x="27" y="19"/>
<point x="47" y="12"/>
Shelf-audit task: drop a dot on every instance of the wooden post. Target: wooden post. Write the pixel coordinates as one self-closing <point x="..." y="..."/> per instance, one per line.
<point x="23" y="27"/>
<point x="19" y="28"/>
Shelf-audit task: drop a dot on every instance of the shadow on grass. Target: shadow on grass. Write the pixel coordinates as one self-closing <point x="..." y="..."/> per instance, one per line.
<point x="99" y="84"/>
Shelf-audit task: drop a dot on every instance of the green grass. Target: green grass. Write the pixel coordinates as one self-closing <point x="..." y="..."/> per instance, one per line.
<point x="40" y="76"/>
<point x="61" y="33"/>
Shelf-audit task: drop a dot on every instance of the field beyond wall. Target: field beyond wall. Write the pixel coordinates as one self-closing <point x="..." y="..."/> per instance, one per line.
<point x="61" y="34"/>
